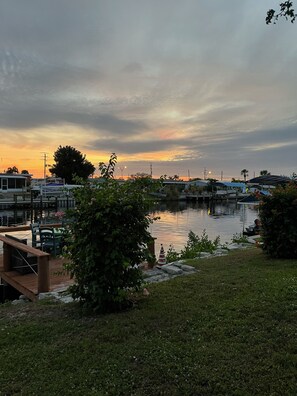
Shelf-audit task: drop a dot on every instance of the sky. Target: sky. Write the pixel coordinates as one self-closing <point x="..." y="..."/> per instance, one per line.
<point x="188" y="88"/>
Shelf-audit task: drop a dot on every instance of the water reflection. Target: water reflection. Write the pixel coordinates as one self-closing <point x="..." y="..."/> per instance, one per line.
<point x="13" y="217"/>
<point x="178" y="218"/>
<point x="10" y="218"/>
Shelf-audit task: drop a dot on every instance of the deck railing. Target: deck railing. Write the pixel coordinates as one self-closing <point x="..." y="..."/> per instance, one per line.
<point x="42" y="261"/>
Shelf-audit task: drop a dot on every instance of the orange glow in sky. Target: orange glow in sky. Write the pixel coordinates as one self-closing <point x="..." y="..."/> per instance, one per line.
<point x="173" y="87"/>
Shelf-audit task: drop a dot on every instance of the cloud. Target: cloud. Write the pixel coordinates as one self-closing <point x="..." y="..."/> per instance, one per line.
<point x="193" y="81"/>
<point x="133" y="146"/>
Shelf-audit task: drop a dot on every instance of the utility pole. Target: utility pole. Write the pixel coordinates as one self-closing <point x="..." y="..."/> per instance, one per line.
<point x="44" y="166"/>
<point x="221" y="175"/>
<point x="122" y="168"/>
<point x="151" y="170"/>
<point x="189" y="177"/>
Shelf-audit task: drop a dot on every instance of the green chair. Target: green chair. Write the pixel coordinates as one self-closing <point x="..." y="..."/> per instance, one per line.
<point x="35" y="227"/>
<point x="50" y="243"/>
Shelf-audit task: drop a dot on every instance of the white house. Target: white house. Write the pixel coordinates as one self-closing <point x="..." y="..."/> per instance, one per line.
<point x="13" y="183"/>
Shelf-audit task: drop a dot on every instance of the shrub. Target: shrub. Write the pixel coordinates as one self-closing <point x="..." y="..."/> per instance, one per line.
<point x="239" y="238"/>
<point x="195" y="245"/>
<point x="108" y="241"/>
<point x="278" y="215"/>
<point x="172" y="255"/>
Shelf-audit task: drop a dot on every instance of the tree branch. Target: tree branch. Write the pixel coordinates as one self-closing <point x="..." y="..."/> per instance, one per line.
<point x="286" y="11"/>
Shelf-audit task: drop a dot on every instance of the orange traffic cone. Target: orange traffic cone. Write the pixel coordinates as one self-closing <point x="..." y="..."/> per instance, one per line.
<point x="162" y="259"/>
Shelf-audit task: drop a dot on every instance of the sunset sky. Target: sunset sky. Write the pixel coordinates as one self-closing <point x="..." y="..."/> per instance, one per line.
<point x="186" y="86"/>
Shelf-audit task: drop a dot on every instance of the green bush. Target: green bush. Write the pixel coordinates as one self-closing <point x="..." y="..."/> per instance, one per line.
<point x="278" y="215"/>
<point x="172" y="255"/>
<point x="239" y="238"/>
<point x="195" y="245"/>
<point x="108" y="241"/>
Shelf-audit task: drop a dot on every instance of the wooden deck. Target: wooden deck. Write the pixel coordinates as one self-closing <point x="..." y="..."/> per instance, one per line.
<point x="51" y="275"/>
<point x="28" y="284"/>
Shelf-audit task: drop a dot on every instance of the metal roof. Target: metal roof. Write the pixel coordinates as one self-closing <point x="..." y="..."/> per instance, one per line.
<point x="230" y="184"/>
<point x="271" y="180"/>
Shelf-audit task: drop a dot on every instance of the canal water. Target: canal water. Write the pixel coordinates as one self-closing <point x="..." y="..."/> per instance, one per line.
<point x="175" y="221"/>
<point x="217" y="219"/>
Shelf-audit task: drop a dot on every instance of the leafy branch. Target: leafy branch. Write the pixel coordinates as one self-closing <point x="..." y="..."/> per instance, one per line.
<point x="107" y="171"/>
<point x="286" y="10"/>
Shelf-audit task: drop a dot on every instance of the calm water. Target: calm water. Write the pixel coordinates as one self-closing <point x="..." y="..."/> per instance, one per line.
<point x="176" y="220"/>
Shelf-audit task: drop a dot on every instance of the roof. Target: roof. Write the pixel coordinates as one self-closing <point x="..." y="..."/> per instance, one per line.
<point x="197" y="183"/>
<point x="14" y="175"/>
<point x="271" y="180"/>
<point x="230" y="184"/>
<point x="178" y="182"/>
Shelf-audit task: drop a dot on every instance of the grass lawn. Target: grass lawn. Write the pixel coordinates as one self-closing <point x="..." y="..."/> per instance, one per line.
<point x="229" y="329"/>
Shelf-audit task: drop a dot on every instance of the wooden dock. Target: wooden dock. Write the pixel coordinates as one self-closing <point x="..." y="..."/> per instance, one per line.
<point x="51" y="275"/>
<point x="40" y="203"/>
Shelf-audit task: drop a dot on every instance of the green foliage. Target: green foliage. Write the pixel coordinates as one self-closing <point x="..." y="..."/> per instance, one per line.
<point x="108" y="241"/>
<point x="229" y="329"/>
<point x="240" y="238"/>
<point x="195" y="245"/>
<point x="145" y="182"/>
<point x="278" y="214"/>
<point x="171" y="255"/>
<point x="286" y="11"/>
<point x="71" y="163"/>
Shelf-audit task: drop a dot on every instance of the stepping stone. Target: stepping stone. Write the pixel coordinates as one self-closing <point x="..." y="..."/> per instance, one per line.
<point x="172" y="270"/>
<point x="188" y="268"/>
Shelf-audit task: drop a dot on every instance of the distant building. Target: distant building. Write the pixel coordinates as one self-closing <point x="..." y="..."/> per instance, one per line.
<point x="231" y="186"/>
<point x="270" y="180"/>
<point x="14" y="183"/>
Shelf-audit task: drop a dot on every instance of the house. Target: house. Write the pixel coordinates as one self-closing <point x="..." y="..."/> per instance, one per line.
<point x="230" y="189"/>
<point x="13" y="182"/>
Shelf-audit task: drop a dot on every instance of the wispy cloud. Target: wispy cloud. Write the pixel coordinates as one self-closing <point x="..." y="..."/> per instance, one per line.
<point x="186" y="85"/>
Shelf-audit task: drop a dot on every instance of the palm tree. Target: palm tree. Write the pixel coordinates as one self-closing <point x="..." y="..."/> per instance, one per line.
<point x="245" y="173"/>
<point x="264" y="172"/>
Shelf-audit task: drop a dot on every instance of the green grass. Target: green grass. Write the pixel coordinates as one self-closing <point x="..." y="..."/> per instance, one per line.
<point x="229" y="329"/>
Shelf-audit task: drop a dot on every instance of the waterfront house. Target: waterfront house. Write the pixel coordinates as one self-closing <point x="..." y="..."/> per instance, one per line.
<point x="13" y="182"/>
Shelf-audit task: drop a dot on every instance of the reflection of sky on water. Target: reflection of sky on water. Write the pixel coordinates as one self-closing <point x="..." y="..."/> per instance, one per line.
<point x="176" y="220"/>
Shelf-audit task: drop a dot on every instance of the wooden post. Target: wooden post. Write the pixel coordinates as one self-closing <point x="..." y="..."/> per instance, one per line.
<point x="7" y="250"/>
<point x="31" y="207"/>
<point x="41" y="206"/>
<point x="43" y="274"/>
<point x="151" y="246"/>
